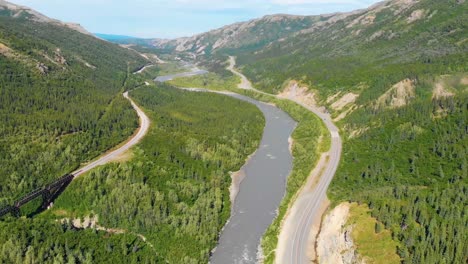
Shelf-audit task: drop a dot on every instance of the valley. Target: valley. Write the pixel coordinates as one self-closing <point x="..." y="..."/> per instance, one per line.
<point x="333" y="138"/>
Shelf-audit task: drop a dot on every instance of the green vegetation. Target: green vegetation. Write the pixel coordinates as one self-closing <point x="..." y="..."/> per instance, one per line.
<point x="210" y="81"/>
<point x="171" y="67"/>
<point x="377" y="54"/>
<point x="175" y="189"/>
<point x="410" y="168"/>
<point x="306" y="150"/>
<point x="373" y="244"/>
<point x="408" y="163"/>
<point x="60" y="102"/>
<point x="239" y="36"/>
<point x="40" y="241"/>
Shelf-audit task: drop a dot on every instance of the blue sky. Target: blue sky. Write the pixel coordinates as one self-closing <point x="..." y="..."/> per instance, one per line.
<point x="176" y="18"/>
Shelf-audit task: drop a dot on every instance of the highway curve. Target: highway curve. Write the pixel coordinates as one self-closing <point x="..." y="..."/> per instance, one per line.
<point x="295" y="250"/>
<point x="114" y="154"/>
<point x="296" y="242"/>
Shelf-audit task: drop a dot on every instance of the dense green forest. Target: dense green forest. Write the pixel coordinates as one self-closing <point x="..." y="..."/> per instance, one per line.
<point x="410" y="167"/>
<point x="60" y="101"/>
<point x="42" y="241"/>
<point x="173" y="190"/>
<point x="61" y="104"/>
<point x="408" y="163"/>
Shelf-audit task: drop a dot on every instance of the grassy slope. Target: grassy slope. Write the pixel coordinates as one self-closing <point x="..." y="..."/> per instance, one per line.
<point x="376" y="246"/>
<point x="377" y="54"/>
<point x="208" y="81"/>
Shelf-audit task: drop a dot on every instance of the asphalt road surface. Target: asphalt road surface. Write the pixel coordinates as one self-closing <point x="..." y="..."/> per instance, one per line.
<point x="114" y="154"/>
<point x="296" y="246"/>
<point x="297" y="241"/>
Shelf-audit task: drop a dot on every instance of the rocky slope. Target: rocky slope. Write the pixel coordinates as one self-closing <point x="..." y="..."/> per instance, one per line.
<point x="248" y="35"/>
<point x="17" y="11"/>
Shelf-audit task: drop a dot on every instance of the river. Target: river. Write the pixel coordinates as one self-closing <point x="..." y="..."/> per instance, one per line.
<point x="179" y="75"/>
<point x="262" y="189"/>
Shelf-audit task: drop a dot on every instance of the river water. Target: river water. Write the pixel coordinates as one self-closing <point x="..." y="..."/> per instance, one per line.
<point x="179" y="75"/>
<point x="261" y="191"/>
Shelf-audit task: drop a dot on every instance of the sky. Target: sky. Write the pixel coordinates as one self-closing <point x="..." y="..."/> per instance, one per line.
<point x="177" y="18"/>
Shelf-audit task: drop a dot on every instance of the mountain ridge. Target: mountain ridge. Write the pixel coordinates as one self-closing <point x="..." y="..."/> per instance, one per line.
<point x="218" y="39"/>
<point x="18" y="11"/>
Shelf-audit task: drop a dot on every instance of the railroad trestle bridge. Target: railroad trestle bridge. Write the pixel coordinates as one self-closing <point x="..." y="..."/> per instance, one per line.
<point x="48" y="193"/>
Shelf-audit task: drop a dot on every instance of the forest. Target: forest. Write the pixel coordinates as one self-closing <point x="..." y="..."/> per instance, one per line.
<point x="407" y="163"/>
<point x="342" y="55"/>
<point x="60" y="102"/>
<point x="173" y="189"/>
<point x="411" y="170"/>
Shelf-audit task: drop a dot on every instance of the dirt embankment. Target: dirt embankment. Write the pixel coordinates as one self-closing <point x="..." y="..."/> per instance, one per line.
<point x="345" y="100"/>
<point x="440" y="91"/>
<point x="236" y="177"/>
<point x="334" y="244"/>
<point x="300" y="93"/>
<point x="399" y="95"/>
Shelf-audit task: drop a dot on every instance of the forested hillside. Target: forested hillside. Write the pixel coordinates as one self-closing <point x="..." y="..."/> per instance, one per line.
<point x="166" y="203"/>
<point x="387" y="43"/>
<point x="395" y="79"/>
<point x="60" y="99"/>
<point x="408" y="163"/>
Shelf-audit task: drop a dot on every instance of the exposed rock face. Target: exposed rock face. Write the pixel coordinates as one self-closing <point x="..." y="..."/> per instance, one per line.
<point x="335" y="245"/>
<point x="347" y="99"/>
<point x="278" y="28"/>
<point x="440" y="91"/>
<point x="43" y="69"/>
<point x="416" y="15"/>
<point x="399" y="95"/>
<point x="5" y="50"/>
<point x="266" y="29"/>
<point x="301" y="93"/>
<point x="59" y="58"/>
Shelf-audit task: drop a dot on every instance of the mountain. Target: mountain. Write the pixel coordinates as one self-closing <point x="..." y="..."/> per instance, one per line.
<point x="346" y="49"/>
<point x="340" y="44"/>
<point x="110" y="37"/>
<point x="61" y="105"/>
<point x="395" y="79"/>
<point x="17" y="11"/>
<point x="240" y="36"/>
<point x="61" y="92"/>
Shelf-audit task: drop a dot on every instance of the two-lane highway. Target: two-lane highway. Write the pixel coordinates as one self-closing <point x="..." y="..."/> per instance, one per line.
<point x="295" y="251"/>
<point x="296" y="240"/>
<point x="115" y="154"/>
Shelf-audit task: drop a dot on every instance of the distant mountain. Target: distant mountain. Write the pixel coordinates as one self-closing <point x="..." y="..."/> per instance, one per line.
<point x="110" y="37"/>
<point x="398" y="38"/>
<point x="389" y="32"/>
<point x="249" y="35"/>
<point x="334" y="48"/>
